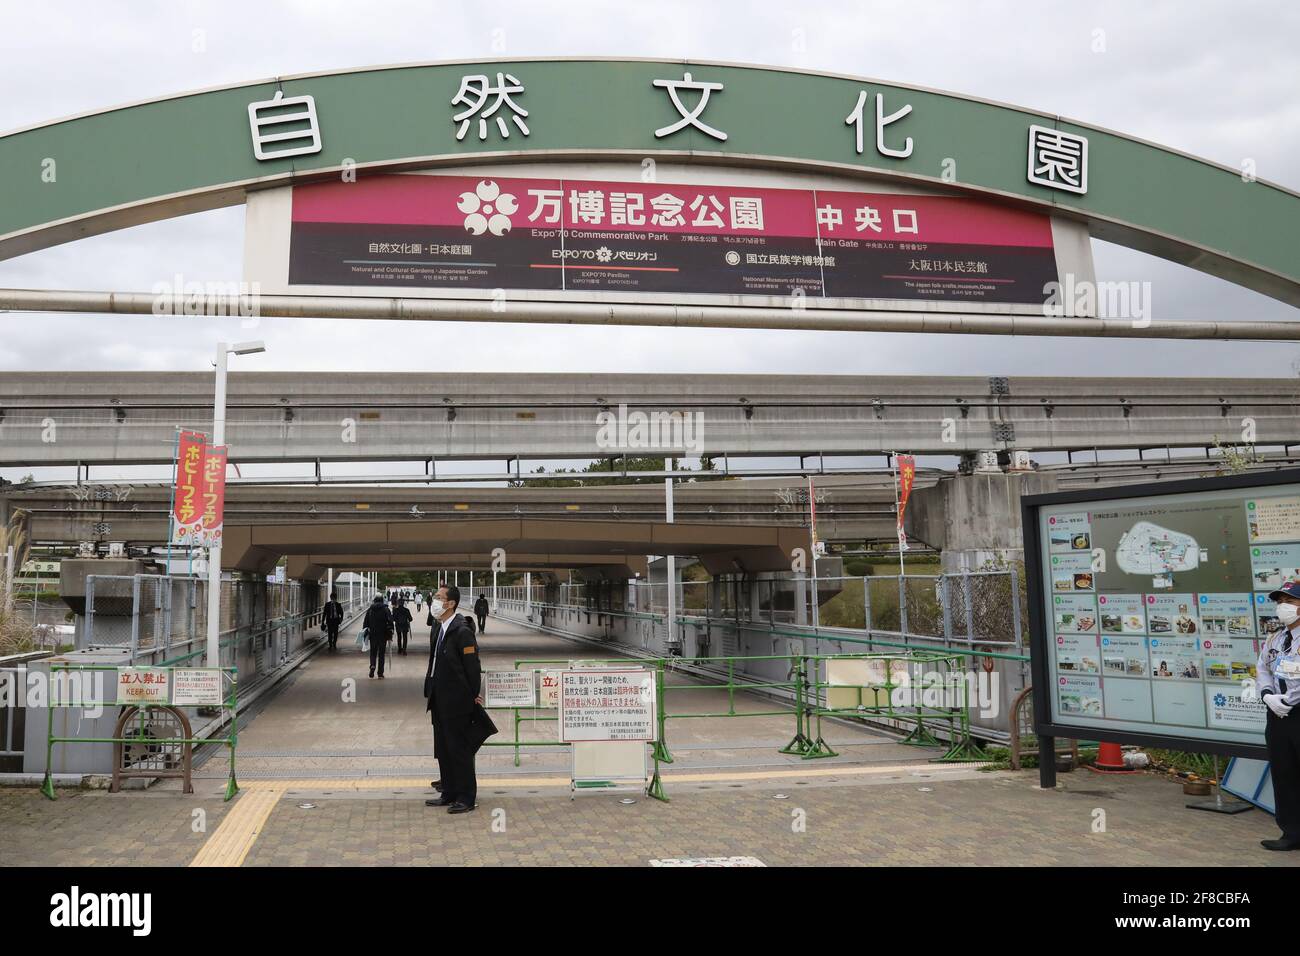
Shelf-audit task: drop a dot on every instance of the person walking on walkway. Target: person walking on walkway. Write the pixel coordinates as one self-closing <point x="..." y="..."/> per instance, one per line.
<point x="333" y="618"/>
<point x="455" y="703"/>
<point x="379" y="627"/>
<point x="402" y="622"/>
<point x="481" y="612"/>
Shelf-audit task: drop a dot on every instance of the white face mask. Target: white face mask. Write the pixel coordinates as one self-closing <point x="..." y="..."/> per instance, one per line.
<point x="1287" y="613"/>
<point x="437" y="608"/>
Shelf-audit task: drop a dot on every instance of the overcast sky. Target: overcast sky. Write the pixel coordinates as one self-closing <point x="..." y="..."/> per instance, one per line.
<point x="1217" y="80"/>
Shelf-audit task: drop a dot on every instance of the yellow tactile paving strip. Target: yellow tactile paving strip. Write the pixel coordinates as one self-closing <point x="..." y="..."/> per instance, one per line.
<point x="232" y="840"/>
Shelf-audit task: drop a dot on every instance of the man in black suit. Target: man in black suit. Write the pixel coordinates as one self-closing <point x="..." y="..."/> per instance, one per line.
<point x="452" y="684"/>
<point x="333" y="618"/>
<point x="379" y="623"/>
<point x="481" y="612"/>
<point x="402" y="622"/>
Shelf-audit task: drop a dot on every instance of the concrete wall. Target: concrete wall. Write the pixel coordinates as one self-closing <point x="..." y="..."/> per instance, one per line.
<point x="974" y="518"/>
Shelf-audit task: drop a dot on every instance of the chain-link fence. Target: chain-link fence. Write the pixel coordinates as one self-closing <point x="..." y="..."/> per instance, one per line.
<point x="157" y="617"/>
<point x="977" y="607"/>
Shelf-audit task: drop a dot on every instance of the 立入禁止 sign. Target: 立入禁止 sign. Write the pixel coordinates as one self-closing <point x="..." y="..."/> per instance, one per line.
<point x="142" y="685"/>
<point x="549" y="688"/>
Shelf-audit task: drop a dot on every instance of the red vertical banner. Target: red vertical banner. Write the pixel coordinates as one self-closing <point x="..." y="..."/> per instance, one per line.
<point x="906" y="477"/>
<point x="187" y="511"/>
<point x="212" y="494"/>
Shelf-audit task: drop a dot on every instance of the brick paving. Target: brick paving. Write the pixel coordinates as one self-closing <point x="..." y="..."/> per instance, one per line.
<point x="965" y="818"/>
<point x="982" y="819"/>
<point x="98" y="828"/>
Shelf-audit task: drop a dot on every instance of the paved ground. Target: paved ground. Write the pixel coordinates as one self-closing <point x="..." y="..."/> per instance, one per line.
<point x="333" y="719"/>
<point x="329" y="783"/>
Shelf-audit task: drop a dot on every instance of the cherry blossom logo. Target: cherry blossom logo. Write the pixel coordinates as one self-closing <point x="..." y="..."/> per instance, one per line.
<point x="487" y="209"/>
<point x="603" y="254"/>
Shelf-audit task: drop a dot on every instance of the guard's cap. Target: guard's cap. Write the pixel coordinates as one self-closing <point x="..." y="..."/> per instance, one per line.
<point x="1289" y="589"/>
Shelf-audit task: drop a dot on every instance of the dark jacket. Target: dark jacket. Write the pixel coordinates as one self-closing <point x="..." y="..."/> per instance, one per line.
<point x="379" y="620"/>
<point x="458" y="675"/>
<point x="402" y="618"/>
<point x="481" y="607"/>
<point x="333" y="612"/>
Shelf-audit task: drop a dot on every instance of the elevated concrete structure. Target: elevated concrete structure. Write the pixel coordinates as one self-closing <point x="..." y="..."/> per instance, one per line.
<point x="538" y="542"/>
<point x="131" y="417"/>
<point x="848" y="507"/>
<point x="974" y="519"/>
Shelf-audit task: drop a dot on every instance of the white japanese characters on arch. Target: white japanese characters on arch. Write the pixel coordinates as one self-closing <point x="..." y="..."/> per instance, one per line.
<point x="284" y="127"/>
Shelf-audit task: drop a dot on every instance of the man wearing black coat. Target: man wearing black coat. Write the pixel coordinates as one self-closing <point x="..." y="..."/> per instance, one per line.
<point x="481" y="612"/>
<point x="452" y="685"/>
<point x="402" y="621"/>
<point x="333" y="618"/>
<point x="379" y="623"/>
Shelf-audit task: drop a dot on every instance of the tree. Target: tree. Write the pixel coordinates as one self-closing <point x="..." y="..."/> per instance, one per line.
<point x="609" y="471"/>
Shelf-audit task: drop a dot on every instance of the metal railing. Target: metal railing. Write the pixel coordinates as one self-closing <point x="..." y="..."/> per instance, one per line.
<point x="971" y="615"/>
<point x="142" y="739"/>
<point x="916" y="689"/>
<point x="984" y="607"/>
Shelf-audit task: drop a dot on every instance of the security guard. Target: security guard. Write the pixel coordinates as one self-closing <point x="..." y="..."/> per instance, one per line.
<point x="1279" y="689"/>
<point x="452" y="684"/>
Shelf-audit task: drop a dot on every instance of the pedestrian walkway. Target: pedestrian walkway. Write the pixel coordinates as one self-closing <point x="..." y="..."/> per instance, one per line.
<point x="329" y="720"/>
<point x="330" y="782"/>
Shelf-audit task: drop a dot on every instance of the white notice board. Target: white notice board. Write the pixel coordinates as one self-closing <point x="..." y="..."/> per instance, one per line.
<point x="861" y="681"/>
<point x="509" y="689"/>
<point x="607" y="705"/>
<point x="197" y="687"/>
<point x="609" y="761"/>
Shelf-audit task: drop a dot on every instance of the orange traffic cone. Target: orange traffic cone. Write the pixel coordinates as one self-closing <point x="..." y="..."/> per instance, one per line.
<point x="1110" y="759"/>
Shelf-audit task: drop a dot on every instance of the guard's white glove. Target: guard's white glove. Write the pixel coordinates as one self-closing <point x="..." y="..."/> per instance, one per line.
<point x="1275" y="704"/>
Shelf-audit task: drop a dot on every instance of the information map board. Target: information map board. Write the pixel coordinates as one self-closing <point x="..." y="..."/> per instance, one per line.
<point x="1149" y="606"/>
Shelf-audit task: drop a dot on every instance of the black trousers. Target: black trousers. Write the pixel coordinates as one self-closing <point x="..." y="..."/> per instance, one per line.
<point x="333" y="631"/>
<point x="482" y="622"/>
<point x="403" y="635"/>
<point x="1282" y="735"/>
<point x="377" y="647"/>
<point x="455" y="758"/>
<point x="440" y="754"/>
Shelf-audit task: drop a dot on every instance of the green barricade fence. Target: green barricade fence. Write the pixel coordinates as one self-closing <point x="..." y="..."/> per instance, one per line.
<point x="184" y="687"/>
<point x="926" y="688"/>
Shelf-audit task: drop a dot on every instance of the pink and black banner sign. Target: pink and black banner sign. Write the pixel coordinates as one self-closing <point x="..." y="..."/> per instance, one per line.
<point x="462" y="232"/>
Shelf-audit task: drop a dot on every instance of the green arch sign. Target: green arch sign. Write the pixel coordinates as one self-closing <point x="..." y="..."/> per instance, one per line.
<point x="143" y="162"/>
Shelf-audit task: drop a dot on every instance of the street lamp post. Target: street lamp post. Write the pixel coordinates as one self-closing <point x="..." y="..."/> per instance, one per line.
<point x="219" y="438"/>
<point x="670" y="561"/>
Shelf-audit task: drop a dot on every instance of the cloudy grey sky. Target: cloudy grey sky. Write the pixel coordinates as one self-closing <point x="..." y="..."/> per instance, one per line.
<point x="1214" y="79"/>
